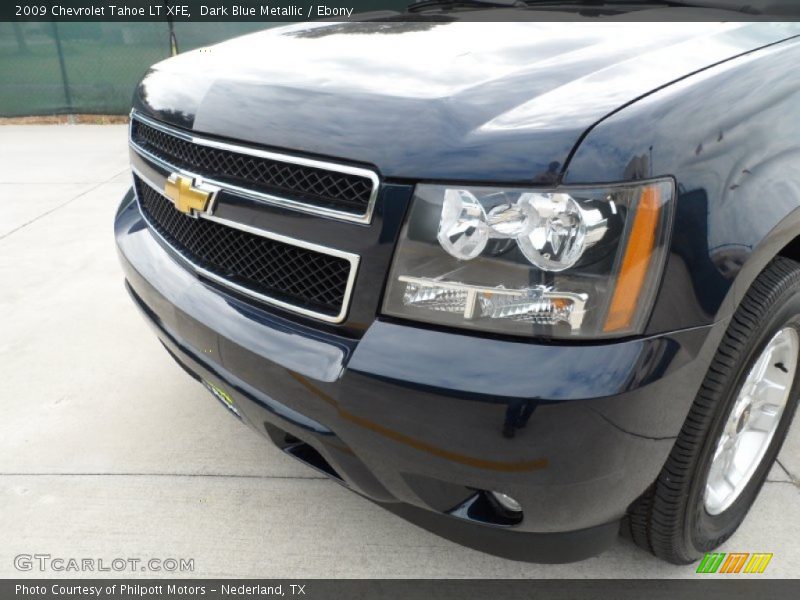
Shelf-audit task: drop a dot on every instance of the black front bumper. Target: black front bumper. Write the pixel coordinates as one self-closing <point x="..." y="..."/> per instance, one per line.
<point x="422" y="421"/>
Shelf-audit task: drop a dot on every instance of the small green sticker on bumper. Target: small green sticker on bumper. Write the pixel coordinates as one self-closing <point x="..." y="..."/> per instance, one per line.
<point x="223" y="397"/>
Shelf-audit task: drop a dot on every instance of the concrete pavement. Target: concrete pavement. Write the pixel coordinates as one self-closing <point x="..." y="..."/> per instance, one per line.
<point x="108" y="450"/>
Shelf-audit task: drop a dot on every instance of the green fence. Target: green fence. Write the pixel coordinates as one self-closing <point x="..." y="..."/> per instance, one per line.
<point x="56" y="68"/>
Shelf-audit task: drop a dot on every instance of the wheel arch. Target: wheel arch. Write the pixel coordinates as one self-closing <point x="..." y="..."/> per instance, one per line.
<point x="782" y="240"/>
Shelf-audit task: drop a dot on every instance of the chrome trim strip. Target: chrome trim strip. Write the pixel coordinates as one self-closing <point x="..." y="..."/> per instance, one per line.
<point x="353" y="259"/>
<point x="363" y="219"/>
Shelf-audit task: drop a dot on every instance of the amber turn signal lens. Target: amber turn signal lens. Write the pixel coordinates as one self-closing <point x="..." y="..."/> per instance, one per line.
<point x="635" y="263"/>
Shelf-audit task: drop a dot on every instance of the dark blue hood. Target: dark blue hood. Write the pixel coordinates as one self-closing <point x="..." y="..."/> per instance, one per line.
<point x="462" y="101"/>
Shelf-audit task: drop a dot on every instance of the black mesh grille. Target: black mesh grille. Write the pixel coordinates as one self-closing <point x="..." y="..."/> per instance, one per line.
<point x="302" y="277"/>
<point x="329" y="189"/>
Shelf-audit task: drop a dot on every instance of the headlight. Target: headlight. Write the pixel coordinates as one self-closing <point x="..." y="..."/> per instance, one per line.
<point x="572" y="262"/>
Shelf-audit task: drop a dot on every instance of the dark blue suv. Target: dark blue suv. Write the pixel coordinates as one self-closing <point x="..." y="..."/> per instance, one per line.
<point x="524" y="284"/>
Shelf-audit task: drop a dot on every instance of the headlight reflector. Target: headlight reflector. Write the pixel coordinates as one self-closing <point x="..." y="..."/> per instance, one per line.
<point x="463" y="228"/>
<point x="560" y="230"/>
<point x="572" y="262"/>
<point x="552" y="230"/>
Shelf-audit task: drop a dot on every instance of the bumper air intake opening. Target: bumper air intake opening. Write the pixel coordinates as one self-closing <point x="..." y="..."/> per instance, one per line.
<point x="307" y="454"/>
<point x="297" y="448"/>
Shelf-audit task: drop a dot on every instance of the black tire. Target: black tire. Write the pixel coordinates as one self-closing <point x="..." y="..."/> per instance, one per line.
<point x="670" y="519"/>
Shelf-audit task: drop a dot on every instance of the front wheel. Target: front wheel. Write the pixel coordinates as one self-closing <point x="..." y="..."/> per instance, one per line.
<point x="735" y="427"/>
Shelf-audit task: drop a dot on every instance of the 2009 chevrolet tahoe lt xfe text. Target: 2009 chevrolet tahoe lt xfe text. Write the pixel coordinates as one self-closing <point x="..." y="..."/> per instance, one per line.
<point x="523" y="284"/>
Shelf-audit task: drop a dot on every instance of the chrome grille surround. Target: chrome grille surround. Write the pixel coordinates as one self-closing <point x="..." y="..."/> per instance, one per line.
<point x="312" y="165"/>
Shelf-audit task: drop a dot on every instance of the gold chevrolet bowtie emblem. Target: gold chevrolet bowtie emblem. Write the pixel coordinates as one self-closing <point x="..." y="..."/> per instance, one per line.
<point x="184" y="195"/>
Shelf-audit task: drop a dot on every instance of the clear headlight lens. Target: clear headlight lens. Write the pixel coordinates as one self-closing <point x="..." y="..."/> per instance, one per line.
<point x="560" y="230"/>
<point x="572" y="262"/>
<point x="463" y="229"/>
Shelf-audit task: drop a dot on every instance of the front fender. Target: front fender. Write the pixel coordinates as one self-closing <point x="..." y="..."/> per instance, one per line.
<point x="730" y="135"/>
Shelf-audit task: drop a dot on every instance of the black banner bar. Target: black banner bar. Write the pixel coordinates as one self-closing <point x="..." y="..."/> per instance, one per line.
<point x="304" y="10"/>
<point x="191" y="10"/>
<point x="705" y="586"/>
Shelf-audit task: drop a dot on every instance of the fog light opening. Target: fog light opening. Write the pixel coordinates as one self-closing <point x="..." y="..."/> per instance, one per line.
<point x="491" y="508"/>
<point x="507" y="503"/>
